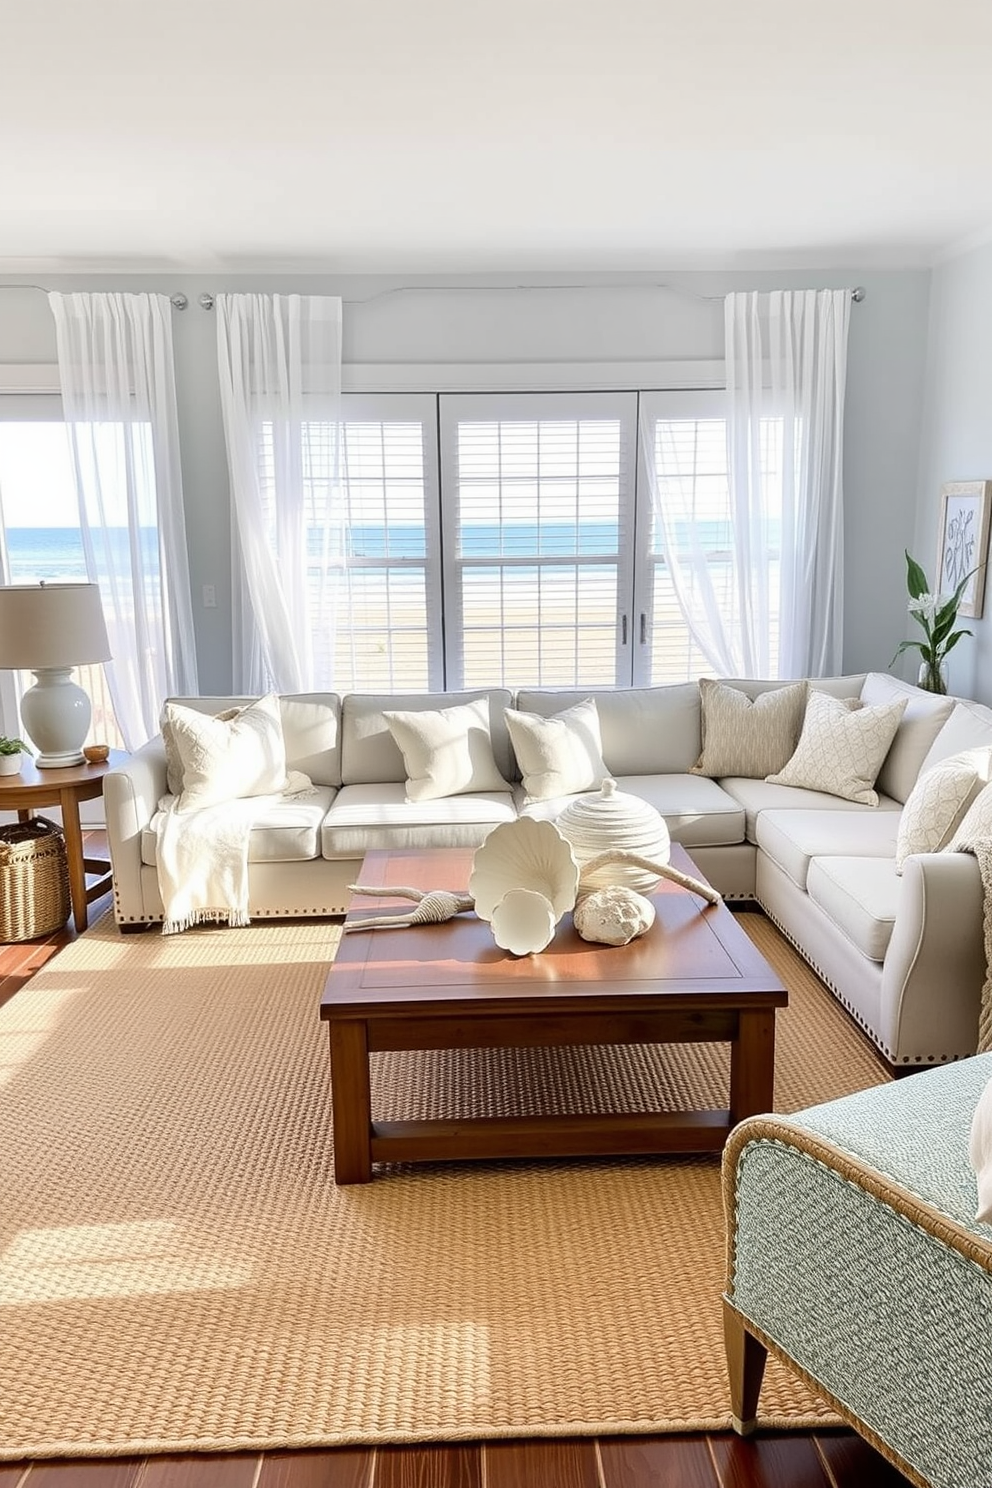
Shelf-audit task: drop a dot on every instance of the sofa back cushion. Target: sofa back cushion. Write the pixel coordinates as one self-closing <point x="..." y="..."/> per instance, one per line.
<point x="968" y="727"/>
<point x="645" y="730"/>
<point x="370" y="754"/>
<point x="311" y="730"/>
<point x="924" y="717"/>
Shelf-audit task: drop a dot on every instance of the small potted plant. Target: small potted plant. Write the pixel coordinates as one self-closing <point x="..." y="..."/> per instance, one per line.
<point x="10" y="754"/>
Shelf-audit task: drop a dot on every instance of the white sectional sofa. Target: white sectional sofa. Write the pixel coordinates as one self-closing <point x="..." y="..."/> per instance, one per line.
<point x="904" y="952"/>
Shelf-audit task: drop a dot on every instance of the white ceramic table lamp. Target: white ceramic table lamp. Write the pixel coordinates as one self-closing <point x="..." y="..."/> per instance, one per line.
<point x="48" y="629"/>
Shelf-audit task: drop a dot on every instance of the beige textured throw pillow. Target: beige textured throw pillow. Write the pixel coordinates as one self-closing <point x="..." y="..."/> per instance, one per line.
<point x="939" y="800"/>
<point x="745" y="736"/>
<point x="841" y="750"/>
<point x="446" y="751"/>
<point x="225" y="759"/>
<point x="561" y="755"/>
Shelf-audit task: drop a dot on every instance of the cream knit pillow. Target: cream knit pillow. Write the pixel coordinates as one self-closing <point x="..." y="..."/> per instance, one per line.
<point x="939" y="800"/>
<point x="745" y="736"/>
<point x="840" y="749"/>
<point x="976" y="822"/>
<point x="225" y="759"/>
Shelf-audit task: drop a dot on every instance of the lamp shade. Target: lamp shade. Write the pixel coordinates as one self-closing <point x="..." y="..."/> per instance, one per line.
<point x="51" y="625"/>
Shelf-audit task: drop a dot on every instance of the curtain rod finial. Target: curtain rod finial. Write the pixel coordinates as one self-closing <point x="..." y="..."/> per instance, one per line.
<point x="857" y="295"/>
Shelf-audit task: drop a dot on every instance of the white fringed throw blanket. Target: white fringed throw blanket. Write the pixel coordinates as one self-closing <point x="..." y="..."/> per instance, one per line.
<point x="202" y="857"/>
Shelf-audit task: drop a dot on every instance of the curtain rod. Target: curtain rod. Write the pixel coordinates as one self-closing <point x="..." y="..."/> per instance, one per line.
<point x="179" y="301"/>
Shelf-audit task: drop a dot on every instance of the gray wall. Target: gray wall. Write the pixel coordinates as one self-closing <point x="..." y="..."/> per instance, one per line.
<point x="957" y="433"/>
<point x="520" y="319"/>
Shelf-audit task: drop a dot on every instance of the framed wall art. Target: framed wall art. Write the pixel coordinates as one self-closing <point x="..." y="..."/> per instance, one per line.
<point x="964" y="541"/>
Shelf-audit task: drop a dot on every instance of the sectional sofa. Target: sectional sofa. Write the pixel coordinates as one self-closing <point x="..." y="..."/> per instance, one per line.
<point x="902" y="950"/>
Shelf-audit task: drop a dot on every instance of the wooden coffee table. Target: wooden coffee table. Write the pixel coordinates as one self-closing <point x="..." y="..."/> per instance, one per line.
<point x="695" y="977"/>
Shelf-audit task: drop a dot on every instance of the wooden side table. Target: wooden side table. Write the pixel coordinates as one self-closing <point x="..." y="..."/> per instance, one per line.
<point x="32" y="788"/>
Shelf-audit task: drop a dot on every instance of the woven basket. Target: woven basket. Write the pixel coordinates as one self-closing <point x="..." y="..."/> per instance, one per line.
<point x="34" y="880"/>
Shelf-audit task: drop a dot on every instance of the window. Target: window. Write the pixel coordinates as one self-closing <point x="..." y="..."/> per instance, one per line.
<point x="42" y="539"/>
<point x="537" y="504"/>
<point x="372" y="559"/>
<point x="684" y="434"/>
<point x="532" y="553"/>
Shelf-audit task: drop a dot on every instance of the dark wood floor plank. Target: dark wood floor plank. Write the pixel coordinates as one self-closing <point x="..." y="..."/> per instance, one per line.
<point x="206" y="1470"/>
<point x="657" y="1462"/>
<point x="344" y="1467"/>
<point x="116" y="1472"/>
<point x="11" y="1474"/>
<point x="550" y="1464"/>
<point x="768" y="1462"/>
<point x="851" y="1460"/>
<point x="455" y="1466"/>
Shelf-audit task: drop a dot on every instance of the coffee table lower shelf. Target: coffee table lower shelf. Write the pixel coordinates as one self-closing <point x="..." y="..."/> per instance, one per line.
<point x="359" y="1141"/>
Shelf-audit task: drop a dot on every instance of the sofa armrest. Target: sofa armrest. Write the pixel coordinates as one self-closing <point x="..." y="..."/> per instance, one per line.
<point x="131" y="793"/>
<point x="935" y="965"/>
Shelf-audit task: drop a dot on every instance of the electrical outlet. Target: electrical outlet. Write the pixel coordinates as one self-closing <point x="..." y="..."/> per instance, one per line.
<point x="209" y="597"/>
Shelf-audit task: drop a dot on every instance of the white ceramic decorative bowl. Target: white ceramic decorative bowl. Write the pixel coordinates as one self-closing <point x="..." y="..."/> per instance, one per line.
<point x="524" y="854"/>
<point x="523" y="921"/>
<point x="614" y="819"/>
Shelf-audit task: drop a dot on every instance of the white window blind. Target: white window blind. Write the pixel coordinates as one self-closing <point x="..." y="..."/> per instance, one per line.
<point x="372" y="559"/>
<point x="537" y="500"/>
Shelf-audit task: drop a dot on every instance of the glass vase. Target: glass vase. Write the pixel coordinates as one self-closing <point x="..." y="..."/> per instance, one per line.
<point x="933" y="676"/>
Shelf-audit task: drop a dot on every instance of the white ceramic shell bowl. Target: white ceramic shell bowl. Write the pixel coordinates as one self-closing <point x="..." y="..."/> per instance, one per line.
<point x="524" y="854"/>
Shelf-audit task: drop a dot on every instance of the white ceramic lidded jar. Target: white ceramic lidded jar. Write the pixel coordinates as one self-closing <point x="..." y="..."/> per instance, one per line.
<point x="594" y="824"/>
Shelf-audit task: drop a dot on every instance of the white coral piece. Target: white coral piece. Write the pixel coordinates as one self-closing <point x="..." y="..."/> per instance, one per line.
<point x="614" y="915"/>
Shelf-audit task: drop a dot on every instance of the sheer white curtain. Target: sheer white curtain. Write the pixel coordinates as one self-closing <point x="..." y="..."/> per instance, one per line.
<point x="279" y="358"/>
<point x="119" y="400"/>
<point x="764" y="597"/>
<point x="786" y="376"/>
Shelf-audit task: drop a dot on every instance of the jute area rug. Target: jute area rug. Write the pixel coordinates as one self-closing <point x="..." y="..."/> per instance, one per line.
<point x="178" y="1271"/>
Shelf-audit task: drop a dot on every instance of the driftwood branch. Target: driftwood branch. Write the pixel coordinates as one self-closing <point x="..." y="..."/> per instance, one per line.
<point x="620" y="855"/>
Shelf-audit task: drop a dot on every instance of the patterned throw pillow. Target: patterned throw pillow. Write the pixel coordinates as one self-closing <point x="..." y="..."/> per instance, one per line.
<point x="840" y="749"/>
<point x="976" y="822"/>
<point x="446" y="751"/>
<point x="227" y="759"/>
<point x="938" y="802"/>
<point x="173" y="759"/>
<point x="561" y="755"/>
<point x="745" y="736"/>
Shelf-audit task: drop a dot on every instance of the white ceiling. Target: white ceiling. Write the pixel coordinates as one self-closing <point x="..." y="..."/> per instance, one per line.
<point x="425" y="135"/>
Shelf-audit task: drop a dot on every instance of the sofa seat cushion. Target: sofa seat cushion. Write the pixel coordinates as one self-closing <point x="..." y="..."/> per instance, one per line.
<point x="364" y="817"/>
<point x="697" y="812"/>
<point x="791" y="839"/>
<point x="286" y="831"/>
<point x="757" y="796"/>
<point x="860" y="896"/>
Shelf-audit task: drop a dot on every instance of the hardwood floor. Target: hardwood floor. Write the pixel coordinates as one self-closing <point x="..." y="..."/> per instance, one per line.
<point x="835" y="1459"/>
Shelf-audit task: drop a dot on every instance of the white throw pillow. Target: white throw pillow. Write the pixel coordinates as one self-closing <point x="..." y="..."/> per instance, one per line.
<point x="939" y="800"/>
<point x="980" y="1153"/>
<point x="745" y="736"/>
<point x="841" y="749"/>
<point x="446" y="751"/>
<point x="561" y="755"/>
<point x="227" y="758"/>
